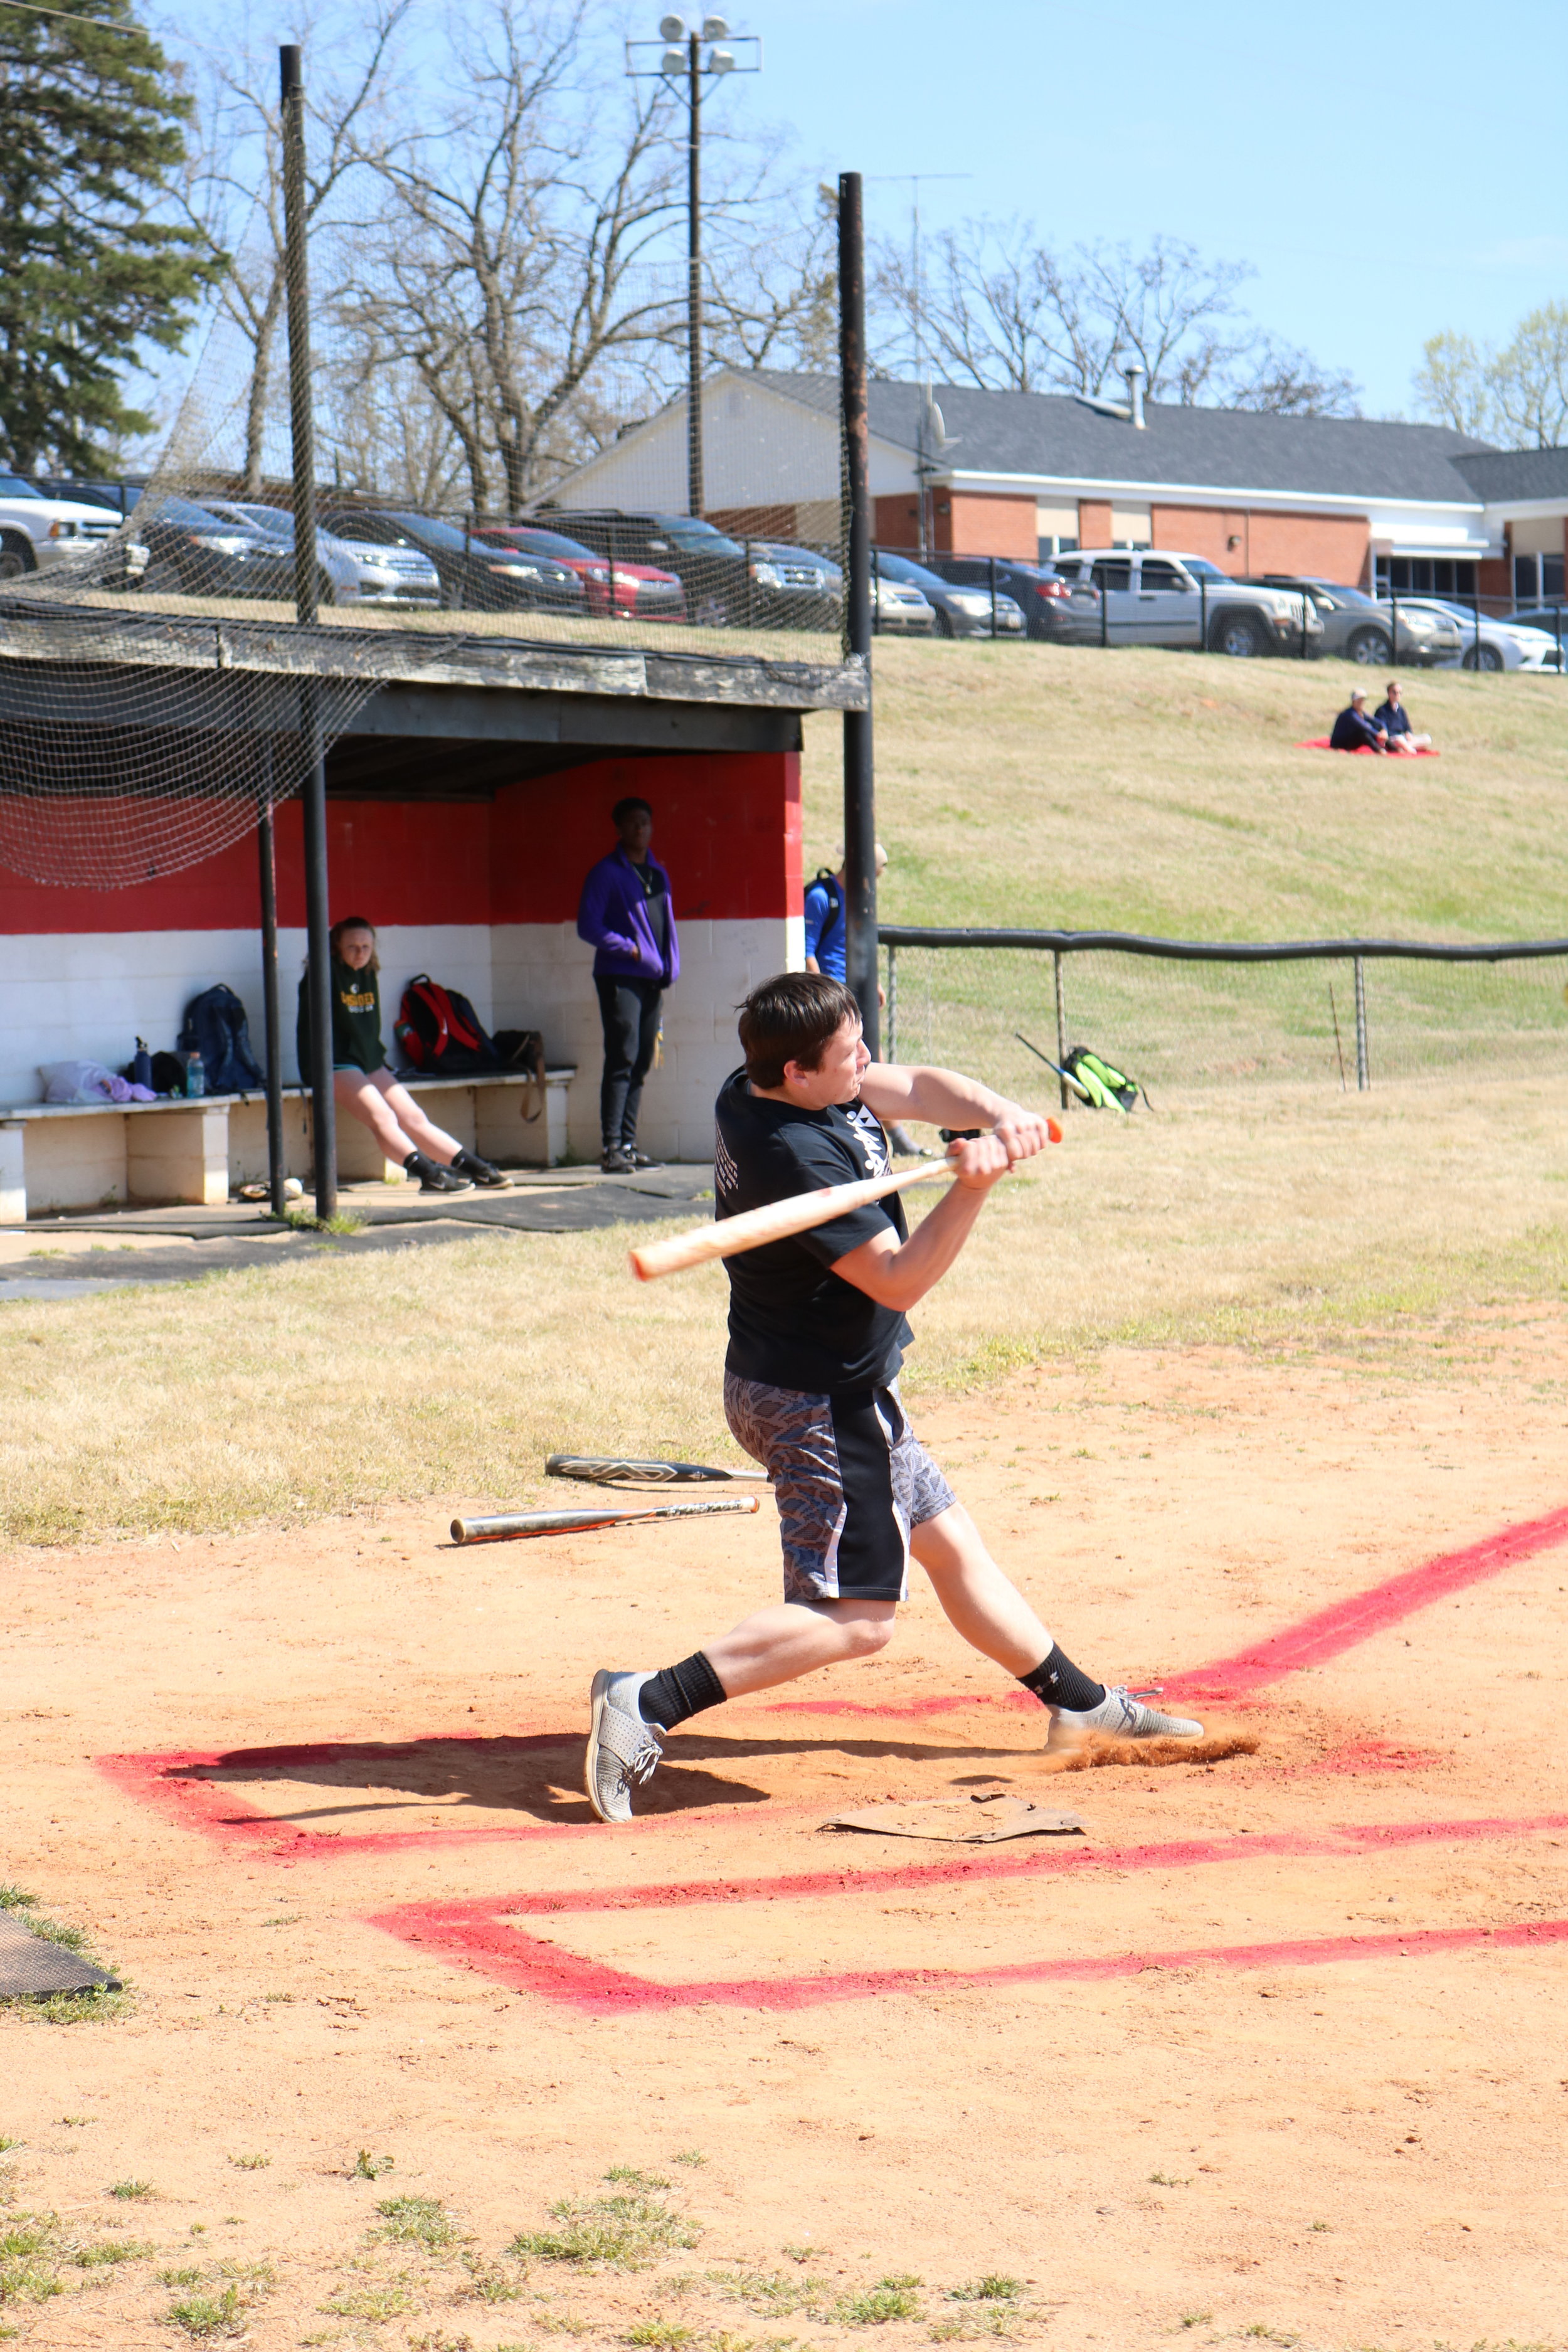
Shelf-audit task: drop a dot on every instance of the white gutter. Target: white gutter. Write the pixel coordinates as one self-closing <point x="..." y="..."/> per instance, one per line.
<point x="1208" y="493"/>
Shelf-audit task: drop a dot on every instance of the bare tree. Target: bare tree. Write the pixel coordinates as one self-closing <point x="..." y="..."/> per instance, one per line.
<point x="1517" y="397"/>
<point x="519" y="264"/>
<point x="996" y="307"/>
<point x="234" y="190"/>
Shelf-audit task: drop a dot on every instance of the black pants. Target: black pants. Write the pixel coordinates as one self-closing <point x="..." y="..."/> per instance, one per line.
<point x="629" y="1010"/>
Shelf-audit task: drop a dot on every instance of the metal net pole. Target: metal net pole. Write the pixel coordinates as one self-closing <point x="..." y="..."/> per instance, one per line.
<point x="323" y="1109"/>
<point x="859" y="775"/>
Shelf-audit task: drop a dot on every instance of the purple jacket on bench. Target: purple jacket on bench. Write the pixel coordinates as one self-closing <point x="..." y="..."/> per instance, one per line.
<point x="612" y="915"/>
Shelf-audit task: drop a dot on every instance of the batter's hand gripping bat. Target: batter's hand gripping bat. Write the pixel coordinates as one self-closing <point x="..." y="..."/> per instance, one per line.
<point x="779" y="1221"/>
<point x="512" y="1524"/>
<point x="627" y="1470"/>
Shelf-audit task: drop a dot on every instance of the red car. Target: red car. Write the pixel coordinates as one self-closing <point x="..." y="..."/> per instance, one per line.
<point x="641" y="593"/>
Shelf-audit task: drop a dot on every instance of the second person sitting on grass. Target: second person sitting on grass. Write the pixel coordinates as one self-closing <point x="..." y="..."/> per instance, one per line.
<point x="362" y="1084"/>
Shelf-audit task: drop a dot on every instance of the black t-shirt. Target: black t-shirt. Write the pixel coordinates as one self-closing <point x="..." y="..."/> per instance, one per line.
<point x="793" y="1321"/>
<point x="655" y="900"/>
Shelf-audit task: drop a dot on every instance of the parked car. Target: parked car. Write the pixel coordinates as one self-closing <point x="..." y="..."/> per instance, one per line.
<point x="119" y="498"/>
<point x="803" y="587"/>
<point x="386" y="575"/>
<point x="1135" y="597"/>
<point x="39" y="533"/>
<point x="337" y="566"/>
<point x="193" y="550"/>
<point x="475" y="576"/>
<point x="1497" y="644"/>
<point x="635" y="591"/>
<point x="1550" y="619"/>
<point x="1038" y="589"/>
<point x="712" y="569"/>
<point x="1360" y="628"/>
<point x="900" y="610"/>
<point x="960" y="612"/>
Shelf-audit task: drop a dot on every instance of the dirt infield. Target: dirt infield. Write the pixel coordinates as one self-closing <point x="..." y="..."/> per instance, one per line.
<point x="1274" y="2052"/>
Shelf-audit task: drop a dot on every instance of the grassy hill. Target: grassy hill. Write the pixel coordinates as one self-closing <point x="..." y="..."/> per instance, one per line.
<point x="1142" y="790"/>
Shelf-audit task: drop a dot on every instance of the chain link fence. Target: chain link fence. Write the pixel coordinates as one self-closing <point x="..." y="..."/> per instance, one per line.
<point x="1185" y="1015"/>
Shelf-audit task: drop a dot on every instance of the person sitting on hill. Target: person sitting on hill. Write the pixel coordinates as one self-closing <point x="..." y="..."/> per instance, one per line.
<point x="1354" y="731"/>
<point x="1395" y="721"/>
<point x="362" y="1084"/>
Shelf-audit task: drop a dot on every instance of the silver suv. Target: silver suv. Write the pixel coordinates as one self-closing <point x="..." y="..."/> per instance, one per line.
<point x="1129" y="596"/>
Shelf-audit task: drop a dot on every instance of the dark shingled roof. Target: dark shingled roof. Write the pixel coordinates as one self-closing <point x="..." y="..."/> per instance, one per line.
<point x="1517" y="473"/>
<point x="1214" y="448"/>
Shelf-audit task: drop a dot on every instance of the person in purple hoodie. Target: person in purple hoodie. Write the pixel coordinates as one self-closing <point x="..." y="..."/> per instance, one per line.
<point x="627" y="916"/>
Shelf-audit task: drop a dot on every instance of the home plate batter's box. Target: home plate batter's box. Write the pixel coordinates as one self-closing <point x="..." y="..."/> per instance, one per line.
<point x="584" y="1961"/>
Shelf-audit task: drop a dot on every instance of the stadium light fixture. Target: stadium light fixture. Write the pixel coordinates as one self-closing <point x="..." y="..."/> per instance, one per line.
<point x="691" y="55"/>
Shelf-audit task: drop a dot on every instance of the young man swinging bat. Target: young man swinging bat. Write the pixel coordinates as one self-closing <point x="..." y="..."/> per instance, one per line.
<point x="816" y="1336"/>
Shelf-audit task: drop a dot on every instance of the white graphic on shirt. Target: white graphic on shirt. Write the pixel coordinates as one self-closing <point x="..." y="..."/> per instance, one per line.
<point x="727" y="1176"/>
<point x="868" y="1135"/>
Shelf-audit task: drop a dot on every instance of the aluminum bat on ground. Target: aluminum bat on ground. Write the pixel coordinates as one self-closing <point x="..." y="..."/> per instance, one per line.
<point x="779" y="1221"/>
<point x="511" y="1524"/>
<point x="630" y="1470"/>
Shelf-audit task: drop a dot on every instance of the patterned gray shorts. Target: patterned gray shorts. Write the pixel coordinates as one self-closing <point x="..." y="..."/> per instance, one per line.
<point x="851" y="1480"/>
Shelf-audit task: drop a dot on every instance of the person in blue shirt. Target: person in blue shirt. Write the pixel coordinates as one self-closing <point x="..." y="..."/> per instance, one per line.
<point x="1354" y="731"/>
<point x="1395" y="721"/>
<point x="825" y="930"/>
<point x="627" y="916"/>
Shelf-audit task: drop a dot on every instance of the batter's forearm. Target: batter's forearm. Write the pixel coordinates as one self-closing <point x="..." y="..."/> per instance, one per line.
<point x="941" y="1098"/>
<point x="900" y="1277"/>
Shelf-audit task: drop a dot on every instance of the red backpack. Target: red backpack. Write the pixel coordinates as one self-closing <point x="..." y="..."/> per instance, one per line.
<point x="439" y="1031"/>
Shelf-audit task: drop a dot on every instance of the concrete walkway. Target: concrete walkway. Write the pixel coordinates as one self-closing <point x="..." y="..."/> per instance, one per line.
<point x="77" y="1256"/>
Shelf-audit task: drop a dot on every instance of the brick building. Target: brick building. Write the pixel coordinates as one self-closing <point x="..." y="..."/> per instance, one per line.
<point x="1038" y="474"/>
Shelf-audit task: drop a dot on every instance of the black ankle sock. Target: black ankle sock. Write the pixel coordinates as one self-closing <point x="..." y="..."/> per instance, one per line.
<point x="668" y="1697"/>
<point x="1056" y="1682"/>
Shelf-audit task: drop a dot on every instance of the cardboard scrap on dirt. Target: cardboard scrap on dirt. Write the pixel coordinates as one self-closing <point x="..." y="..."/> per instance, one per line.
<point x="956" y="1820"/>
<point x="30" y="1964"/>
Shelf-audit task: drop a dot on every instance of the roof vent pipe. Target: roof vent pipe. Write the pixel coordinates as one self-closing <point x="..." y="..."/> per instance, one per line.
<point x="1134" y="374"/>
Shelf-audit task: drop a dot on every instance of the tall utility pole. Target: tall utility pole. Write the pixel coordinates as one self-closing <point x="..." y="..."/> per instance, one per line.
<point x="859" y="773"/>
<point x="302" y="421"/>
<point x="682" y="60"/>
<point x="928" y="428"/>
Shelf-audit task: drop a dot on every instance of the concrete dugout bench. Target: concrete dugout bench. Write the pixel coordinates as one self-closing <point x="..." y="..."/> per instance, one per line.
<point x="65" y="1155"/>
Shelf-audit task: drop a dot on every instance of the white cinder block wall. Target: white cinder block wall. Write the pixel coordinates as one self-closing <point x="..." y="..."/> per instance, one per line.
<point x="89" y="995"/>
<point x="544" y="980"/>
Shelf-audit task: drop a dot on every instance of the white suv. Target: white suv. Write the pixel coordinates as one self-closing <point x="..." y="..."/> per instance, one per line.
<point x="1135" y="597"/>
<point x="37" y="533"/>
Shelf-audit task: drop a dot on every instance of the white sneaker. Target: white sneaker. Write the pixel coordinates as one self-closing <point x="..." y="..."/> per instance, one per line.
<point x="623" y="1750"/>
<point x="1123" y="1718"/>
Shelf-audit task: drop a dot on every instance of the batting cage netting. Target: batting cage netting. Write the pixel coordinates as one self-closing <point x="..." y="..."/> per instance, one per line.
<point x="158" y="694"/>
<point x="1182" y="1015"/>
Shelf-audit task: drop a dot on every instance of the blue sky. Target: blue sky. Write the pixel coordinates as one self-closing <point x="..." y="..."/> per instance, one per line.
<point x="1386" y="172"/>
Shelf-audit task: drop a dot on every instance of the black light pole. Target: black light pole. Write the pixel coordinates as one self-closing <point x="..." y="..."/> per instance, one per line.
<point x="694" y="277"/>
<point x="859" y="775"/>
<point x="324" y="1113"/>
<point x="682" y="60"/>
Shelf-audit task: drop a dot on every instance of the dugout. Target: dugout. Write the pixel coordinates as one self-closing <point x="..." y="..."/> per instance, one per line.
<point x="468" y="794"/>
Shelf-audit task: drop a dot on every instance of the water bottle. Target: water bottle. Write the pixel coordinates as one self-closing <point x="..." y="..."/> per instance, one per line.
<point x="141" y="1065"/>
<point x="196" y="1076"/>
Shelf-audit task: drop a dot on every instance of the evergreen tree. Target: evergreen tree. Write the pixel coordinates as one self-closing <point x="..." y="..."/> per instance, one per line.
<point x="90" y="128"/>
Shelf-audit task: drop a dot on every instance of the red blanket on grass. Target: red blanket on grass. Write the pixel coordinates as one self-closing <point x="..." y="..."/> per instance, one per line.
<point x="1321" y="743"/>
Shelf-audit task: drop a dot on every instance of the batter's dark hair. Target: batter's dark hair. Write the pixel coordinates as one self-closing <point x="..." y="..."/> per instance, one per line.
<point x="355" y="923"/>
<point x="791" y="1019"/>
<point x="623" y="809"/>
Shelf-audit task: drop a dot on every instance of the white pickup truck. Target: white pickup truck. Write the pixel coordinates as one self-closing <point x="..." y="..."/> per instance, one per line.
<point x="1123" y="596"/>
<point x="37" y="532"/>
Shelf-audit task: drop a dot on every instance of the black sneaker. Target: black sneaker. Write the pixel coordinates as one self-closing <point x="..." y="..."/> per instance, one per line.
<point x="617" y="1163"/>
<point x="482" y="1171"/>
<point x="433" y="1177"/>
<point x="639" y="1160"/>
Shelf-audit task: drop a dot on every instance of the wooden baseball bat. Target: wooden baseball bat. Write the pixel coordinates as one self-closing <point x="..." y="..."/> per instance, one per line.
<point x="512" y="1524"/>
<point x="619" y="1470"/>
<point x="778" y="1221"/>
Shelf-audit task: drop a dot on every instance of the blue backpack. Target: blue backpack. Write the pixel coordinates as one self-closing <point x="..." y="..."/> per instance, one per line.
<point x="215" y="1027"/>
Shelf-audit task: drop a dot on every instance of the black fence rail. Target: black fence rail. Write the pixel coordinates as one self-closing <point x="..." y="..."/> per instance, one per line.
<point x="1206" y="1012"/>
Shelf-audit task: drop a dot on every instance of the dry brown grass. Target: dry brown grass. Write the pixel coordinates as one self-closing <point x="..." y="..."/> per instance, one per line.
<point x="1155" y="791"/>
<point x="1301" y="1219"/>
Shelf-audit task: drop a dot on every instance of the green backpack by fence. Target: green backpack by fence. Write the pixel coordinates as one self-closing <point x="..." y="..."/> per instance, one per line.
<point x="1101" y="1085"/>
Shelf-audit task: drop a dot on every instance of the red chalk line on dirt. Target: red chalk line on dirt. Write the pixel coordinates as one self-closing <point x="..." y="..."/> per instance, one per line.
<point x="477" y="1934"/>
